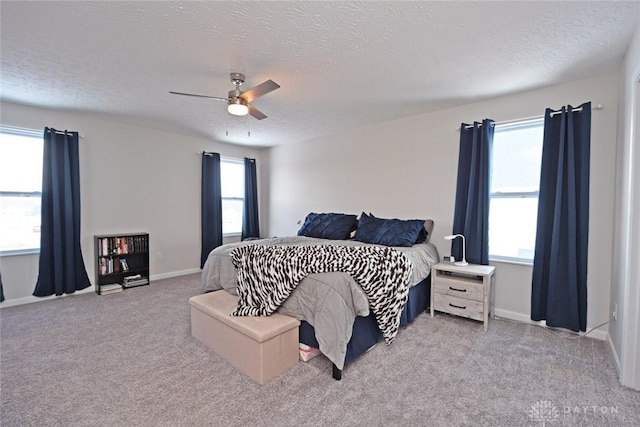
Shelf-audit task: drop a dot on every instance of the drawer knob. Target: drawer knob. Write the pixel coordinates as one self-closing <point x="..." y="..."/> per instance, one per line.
<point x="458" y="306"/>
<point x="457" y="290"/>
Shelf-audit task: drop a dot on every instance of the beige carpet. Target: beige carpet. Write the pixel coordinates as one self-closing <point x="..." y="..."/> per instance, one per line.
<point x="128" y="359"/>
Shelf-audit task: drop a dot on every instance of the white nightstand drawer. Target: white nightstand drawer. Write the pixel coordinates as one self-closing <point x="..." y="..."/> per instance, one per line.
<point x="459" y="288"/>
<point x="459" y="306"/>
<point x="466" y="291"/>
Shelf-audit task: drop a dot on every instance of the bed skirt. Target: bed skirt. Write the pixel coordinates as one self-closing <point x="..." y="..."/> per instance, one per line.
<point x="365" y="329"/>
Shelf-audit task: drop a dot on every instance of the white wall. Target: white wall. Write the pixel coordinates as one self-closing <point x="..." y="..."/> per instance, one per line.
<point x="625" y="286"/>
<point x="132" y="179"/>
<point x="407" y="169"/>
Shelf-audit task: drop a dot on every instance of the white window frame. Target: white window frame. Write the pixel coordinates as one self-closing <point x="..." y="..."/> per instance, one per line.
<point x="513" y="125"/>
<point x="232" y="161"/>
<point x="31" y="133"/>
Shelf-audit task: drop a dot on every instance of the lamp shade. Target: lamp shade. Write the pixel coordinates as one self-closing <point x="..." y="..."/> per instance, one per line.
<point x="464" y="262"/>
<point x="238" y="107"/>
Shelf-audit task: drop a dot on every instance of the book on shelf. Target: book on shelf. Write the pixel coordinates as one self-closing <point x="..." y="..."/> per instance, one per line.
<point x="110" y="288"/>
<point x="135" y="280"/>
<point x="122" y="245"/>
<point x="110" y="265"/>
<point x="136" y="283"/>
<point x="123" y="263"/>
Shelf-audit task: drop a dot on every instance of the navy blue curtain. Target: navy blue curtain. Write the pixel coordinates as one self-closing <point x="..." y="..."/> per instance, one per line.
<point x="250" y="222"/>
<point x="61" y="266"/>
<point x="211" y="212"/>
<point x="471" y="216"/>
<point x="559" y="282"/>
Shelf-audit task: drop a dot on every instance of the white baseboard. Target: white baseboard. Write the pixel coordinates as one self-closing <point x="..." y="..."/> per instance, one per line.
<point x="32" y="299"/>
<point x="512" y="315"/>
<point x="616" y="358"/>
<point x="520" y="317"/>
<point x="174" y="274"/>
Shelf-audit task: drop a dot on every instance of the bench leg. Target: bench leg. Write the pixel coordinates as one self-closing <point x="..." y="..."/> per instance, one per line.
<point x="337" y="373"/>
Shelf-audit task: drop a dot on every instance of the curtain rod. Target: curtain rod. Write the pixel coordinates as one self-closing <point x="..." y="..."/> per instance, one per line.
<point x="63" y="132"/>
<point x="595" y="107"/>
<point x="534" y="118"/>
<point x="228" y="159"/>
<point x="27" y="131"/>
<point x="222" y="158"/>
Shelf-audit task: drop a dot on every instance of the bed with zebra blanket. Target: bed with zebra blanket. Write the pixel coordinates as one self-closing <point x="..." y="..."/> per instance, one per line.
<point x="326" y="283"/>
<point x="268" y="274"/>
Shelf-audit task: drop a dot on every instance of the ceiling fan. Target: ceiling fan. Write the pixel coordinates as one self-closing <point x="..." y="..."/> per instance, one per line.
<point x="238" y="102"/>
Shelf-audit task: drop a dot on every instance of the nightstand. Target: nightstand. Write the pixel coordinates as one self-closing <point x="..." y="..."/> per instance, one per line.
<point x="463" y="291"/>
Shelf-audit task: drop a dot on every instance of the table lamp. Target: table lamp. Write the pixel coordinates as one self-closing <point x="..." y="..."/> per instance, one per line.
<point x="464" y="262"/>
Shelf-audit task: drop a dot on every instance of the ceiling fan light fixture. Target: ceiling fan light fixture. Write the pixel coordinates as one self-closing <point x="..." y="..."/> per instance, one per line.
<point x="238" y="102"/>
<point x="237" y="107"/>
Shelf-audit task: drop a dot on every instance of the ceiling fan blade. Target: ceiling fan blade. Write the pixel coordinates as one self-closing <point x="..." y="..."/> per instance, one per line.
<point x="256" y="113"/>
<point x="199" y="96"/>
<point x="262" y="89"/>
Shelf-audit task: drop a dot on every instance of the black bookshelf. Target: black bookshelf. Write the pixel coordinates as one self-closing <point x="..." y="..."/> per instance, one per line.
<point x="121" y="259"/>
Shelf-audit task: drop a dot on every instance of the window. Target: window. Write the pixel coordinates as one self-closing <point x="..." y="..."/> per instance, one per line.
<point x="515" y="183"/>
<point x="232" y="181"/>
<point x="20" y="190"/>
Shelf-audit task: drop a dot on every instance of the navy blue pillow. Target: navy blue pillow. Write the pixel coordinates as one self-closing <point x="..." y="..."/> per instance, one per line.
<point x="334" y="226"/>
<point x="389" y="232"/>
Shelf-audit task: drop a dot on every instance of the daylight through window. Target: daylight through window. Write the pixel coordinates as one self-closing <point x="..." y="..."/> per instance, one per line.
<point x="20" y="190"/>
<point x="515" y="183"/>
<point x="232" y="181"/>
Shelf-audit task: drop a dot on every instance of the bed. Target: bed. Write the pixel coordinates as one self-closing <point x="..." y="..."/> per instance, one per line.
<point x="336" y="312"/>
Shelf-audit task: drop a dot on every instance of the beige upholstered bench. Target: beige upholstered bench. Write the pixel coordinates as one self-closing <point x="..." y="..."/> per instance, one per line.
<point x="261" y="347"/>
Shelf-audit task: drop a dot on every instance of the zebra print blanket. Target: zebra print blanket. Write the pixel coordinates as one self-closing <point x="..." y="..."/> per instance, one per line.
<point x="268" y="274"/>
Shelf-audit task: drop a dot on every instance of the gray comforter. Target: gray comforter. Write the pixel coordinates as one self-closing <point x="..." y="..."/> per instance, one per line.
<point x="329" y="302"/>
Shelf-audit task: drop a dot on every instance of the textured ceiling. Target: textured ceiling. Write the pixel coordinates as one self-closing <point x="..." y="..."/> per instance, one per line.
<point x="340" y="65"/>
